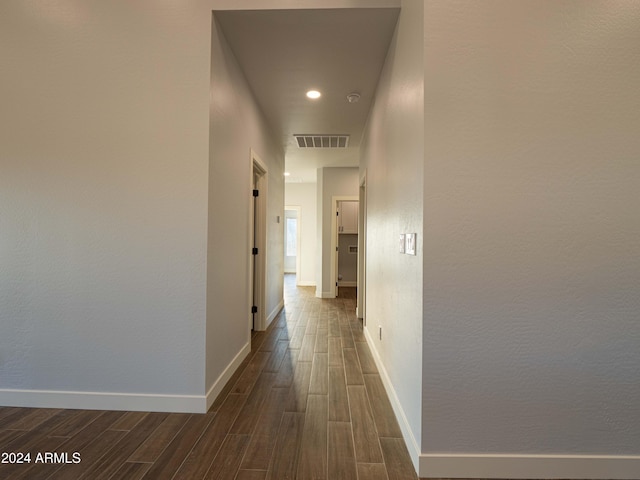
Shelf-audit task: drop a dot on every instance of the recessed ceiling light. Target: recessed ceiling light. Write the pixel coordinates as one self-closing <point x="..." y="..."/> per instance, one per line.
<point x="286" y="174"/>
<point x="313" y="94"/>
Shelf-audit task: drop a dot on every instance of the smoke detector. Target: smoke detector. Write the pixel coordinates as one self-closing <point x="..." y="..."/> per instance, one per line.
<point x="353" y="97"/>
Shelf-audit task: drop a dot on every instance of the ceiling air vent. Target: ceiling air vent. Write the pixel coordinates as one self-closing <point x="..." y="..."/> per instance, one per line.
<point x="322" y="141"/>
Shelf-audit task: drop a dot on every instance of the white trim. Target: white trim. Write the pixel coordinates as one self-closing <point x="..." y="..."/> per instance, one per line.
<point x="344" y="283"/>
<point x="587" y="467"/>
<point x="320" y="294"/>
<point x="298" y="210"/>
<point x="304" y="283"/>
<point x="224" y="377"/>
<point x="261" y="239"/>
<point x="405" y="428"/>
<point x="139" y="402"/>
<point x="274" y="313"/>
<point x="529" y="466"/>
<point x="362" y="251"/>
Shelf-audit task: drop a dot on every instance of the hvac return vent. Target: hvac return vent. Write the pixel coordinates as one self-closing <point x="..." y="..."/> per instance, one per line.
<point x="322" y="141"/>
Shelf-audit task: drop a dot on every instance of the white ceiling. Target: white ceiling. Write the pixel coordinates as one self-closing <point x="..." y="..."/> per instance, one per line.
<point x="284" y="53"/>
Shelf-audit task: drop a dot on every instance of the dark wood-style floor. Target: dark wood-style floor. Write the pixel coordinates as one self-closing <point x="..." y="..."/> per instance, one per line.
<point x="307" y="403"/>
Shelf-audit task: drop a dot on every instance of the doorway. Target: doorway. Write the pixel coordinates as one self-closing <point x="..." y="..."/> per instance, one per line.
<point x="258" y="236"/>
<point x="292" y="251"/>
<point x="362" y="253"/>
<point x="344" y="243"/>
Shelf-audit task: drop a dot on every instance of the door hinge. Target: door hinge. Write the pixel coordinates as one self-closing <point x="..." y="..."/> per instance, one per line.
<point x="254" y="309"/>
<point x="337" y="214"/>
<point x="255" y="193"/>
<point x="254" y="251"/>
<point x="336" y="284"/>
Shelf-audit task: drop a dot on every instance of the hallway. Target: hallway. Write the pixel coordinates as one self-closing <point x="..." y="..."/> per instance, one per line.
<point x="307" y="403"/>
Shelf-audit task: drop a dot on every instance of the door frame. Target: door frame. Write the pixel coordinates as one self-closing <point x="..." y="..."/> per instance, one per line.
<point x="333" y="291"/>
<point x="257" y="278"/>
<point x="298" y="210"/>
<point x="362" y="252"/>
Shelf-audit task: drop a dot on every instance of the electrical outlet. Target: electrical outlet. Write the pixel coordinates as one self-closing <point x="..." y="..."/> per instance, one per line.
<point x="380" y="331"/>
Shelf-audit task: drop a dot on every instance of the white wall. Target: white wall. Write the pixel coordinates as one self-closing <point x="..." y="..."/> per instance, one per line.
<point x="304" y="196"/>
<point x="332" y="181"/>
<point x="237" y="127"/>
<point x="532" y="260"/>
<point x="291" y="260"/>
<point x="392" y="156"/>
<point x="103" y="203"/>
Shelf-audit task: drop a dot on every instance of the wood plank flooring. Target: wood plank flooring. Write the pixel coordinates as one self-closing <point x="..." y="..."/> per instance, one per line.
<point x="307" y="403"/>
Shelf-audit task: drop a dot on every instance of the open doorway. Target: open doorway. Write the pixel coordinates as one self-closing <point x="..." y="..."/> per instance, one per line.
<point x="344" y="249"/>
<point x="292" y="236"/>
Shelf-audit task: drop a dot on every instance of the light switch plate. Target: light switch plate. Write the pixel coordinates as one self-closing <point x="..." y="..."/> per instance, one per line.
<point x="402" y="243"/>
<point x="410" y="246"/>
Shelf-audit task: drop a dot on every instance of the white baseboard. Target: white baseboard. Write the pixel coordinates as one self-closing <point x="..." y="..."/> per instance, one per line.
<point x="588" y="467"/>
<point x="324" y="294"/>
<point x="584" y="467"/>
<point x="224" y="377"/>
<point x="305" y="283"/>
<point x="140" y="402"/>
<point x="347" y="284"/>
<point x="407" y="433"/>
<point x="274" y="313"/>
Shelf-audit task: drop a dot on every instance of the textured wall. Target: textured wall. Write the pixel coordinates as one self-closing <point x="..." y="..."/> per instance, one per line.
<point x="392" y="157"/>
<point x="304" y="196"/>
<point x="103" y="196"/>
<point x="532" y="258"/>
<point x="237" y="126"/>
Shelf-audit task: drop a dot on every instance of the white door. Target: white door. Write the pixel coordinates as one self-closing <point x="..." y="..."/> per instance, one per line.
<point x="258" y="244"/>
